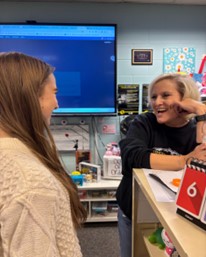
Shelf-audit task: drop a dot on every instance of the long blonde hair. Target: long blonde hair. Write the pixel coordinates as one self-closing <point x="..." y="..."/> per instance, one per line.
<point x="22" y="80"/>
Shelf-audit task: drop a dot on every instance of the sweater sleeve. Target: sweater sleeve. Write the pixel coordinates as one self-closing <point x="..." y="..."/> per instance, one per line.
<point x="28" y="226"/>
<point x="135" y="151"/>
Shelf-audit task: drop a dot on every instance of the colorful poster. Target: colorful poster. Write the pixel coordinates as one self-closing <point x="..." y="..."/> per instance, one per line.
<point x="128" y="99"/>
<point x="179" y="60"/>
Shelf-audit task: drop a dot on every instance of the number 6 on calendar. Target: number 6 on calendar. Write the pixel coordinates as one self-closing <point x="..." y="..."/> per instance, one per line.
<point x="191" y="190"/>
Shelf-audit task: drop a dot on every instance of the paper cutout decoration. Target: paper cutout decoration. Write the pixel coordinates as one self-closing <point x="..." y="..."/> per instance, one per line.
<point x="179" y="60"/>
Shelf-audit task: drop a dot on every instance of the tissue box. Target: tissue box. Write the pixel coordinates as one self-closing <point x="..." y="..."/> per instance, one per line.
<point x="112" y="167"/>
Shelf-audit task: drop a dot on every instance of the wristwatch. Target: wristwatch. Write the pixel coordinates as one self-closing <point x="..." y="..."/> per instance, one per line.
<point x="200" y="118"/>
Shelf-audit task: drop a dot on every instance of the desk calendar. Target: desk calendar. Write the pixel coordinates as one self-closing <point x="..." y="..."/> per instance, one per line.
<point x="191" y="198"/>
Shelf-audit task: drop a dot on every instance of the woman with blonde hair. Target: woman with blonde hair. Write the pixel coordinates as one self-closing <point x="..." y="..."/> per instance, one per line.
<point x="39" y="205"/>
<point x="162" y="139"/>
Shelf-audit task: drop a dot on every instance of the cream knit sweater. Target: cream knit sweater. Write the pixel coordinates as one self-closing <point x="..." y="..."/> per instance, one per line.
<point x="35" y="212"/>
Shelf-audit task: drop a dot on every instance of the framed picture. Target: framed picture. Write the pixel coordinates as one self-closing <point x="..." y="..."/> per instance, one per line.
<point x="142" y="56"/>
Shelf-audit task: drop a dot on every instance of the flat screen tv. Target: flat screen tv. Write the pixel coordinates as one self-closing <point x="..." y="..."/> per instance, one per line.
<point x="84" y="57"/>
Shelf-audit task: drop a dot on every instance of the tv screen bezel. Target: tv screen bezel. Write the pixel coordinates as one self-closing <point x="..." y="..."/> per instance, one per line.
<point x="92" y="113"/>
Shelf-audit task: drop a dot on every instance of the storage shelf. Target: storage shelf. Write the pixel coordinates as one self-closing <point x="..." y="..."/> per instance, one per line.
<point x="102" y="219"/>
<point x="98" y="199"/>
<point x="152" y="249"/>
<point x="103" y="184"/>
<point x="105" y="218"/>
<point x="97" y="192"/>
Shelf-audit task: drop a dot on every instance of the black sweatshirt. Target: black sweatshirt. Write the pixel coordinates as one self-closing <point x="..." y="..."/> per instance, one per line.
<point x="146" y="136"/>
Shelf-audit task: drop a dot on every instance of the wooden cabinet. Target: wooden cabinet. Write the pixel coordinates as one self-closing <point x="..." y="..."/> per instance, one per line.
<point x="188" y="239"/>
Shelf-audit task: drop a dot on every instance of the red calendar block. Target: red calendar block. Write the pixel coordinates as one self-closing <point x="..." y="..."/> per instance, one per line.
<point x="192" y="192"/>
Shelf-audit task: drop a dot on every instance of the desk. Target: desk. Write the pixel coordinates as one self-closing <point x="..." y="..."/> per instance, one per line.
<point x="189" y="240"/>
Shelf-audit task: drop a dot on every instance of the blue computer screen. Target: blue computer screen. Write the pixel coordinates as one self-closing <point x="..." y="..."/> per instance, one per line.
<point x="84" y="57"/>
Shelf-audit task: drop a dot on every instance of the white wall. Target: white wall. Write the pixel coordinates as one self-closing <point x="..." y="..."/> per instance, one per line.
<point x="138" y="26"/>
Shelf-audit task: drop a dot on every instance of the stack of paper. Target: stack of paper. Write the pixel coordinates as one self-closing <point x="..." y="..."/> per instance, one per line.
<point x="166" y="192"/>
